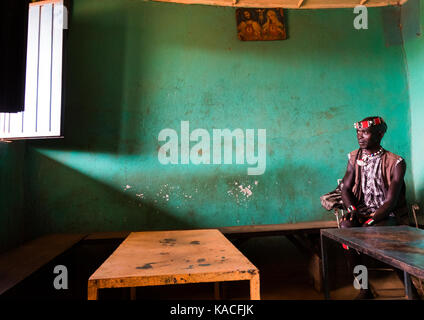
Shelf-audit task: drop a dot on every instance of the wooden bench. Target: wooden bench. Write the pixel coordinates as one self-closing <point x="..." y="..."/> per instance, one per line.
<point x="240" y="232"/>
<point x="276" y="229"/>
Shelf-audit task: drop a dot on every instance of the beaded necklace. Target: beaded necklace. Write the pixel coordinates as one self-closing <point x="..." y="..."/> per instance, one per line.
<point x="367" y="157"/>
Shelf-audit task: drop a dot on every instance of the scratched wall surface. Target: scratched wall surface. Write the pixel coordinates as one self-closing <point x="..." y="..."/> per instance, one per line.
<point x="12" y="194"/>
<point x="414" y="48"/>
<point x="135" y="68"/>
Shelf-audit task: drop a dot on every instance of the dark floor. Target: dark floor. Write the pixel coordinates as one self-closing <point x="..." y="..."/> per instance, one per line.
<point x="283" y="272"/>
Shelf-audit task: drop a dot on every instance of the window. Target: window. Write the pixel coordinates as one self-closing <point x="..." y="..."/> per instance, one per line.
<point x="42" y="113"/>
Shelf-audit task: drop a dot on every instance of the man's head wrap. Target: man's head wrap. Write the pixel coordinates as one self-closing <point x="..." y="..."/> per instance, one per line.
<point x="369" y="122"/>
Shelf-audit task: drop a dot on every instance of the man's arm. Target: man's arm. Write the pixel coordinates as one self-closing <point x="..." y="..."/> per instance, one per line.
<point x="347" y="194"/>
<point x="393" y="193"/>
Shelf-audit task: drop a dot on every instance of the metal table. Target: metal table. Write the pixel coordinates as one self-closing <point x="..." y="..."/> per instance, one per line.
<point x="401" y="247"/>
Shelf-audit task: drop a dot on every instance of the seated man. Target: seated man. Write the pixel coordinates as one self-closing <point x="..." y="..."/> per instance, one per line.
<point x="373" y="187"/>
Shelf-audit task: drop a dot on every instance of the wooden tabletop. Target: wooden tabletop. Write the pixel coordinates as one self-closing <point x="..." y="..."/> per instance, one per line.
<point x="399" y="246"/>
<point x="171" y="257"/>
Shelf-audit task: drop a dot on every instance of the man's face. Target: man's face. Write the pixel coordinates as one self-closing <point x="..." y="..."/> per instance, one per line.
<point x="368" y="138"/>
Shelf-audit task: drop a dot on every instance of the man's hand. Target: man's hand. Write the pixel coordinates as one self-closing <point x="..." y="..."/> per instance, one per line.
<point x="350" y="216"/>
<point x="348" y="198"/>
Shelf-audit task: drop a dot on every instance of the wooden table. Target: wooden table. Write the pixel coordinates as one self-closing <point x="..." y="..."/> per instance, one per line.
<point x="173" y="257"/>
<point x="401" y="247"/>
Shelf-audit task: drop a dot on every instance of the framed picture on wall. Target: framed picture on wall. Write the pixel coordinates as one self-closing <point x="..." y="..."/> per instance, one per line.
<point x="255" y="24"/>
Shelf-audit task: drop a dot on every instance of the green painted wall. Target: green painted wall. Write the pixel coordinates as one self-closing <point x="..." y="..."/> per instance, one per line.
<point x="414" y="48"/>
<point x="135" y="68"/>
<point x="12" y="219"/>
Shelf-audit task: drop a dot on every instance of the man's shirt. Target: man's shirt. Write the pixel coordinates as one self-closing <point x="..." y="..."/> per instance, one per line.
<point x="372" y="183"/>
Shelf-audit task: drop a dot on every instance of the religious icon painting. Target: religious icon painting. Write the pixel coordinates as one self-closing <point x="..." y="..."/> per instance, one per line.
<point x="260" y="24"/>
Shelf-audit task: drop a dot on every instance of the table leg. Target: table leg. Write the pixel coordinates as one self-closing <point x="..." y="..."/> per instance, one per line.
<point x="255" y="293"/>
<point x="92" y="291"/>
<point x="216" y="289"/>
<point x="133" y="293"/>
<point x="324" y="259"/>
<point x="408" y="285"/>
